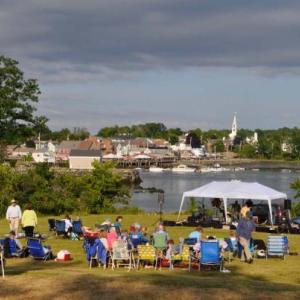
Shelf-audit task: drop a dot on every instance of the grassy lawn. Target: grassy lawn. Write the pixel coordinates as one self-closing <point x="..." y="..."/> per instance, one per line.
<point x="265" y="279"/>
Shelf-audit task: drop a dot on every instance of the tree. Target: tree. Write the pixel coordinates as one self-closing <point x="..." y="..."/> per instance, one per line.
<point x="17" y="99"/>
<point x="219" y="145"/>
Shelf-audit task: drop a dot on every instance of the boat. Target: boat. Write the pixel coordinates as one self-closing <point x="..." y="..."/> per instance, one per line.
<point x="216" y="168"/>
<point x="237" y="169"/>
<point x="155" y="169"/>
<point x="183" y="169"/>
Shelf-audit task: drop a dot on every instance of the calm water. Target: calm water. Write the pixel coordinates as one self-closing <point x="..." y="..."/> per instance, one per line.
<point x="175" y="184"/>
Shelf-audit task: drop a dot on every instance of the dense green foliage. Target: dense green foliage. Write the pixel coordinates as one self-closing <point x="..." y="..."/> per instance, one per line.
<point x="17" y="99"/>
<point x="52" y="193"/>
<point x="150" y="130"/>
<point x="296" y="207"/>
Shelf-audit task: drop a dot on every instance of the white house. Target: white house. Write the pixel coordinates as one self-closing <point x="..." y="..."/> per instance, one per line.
<point x="83" y="159"/>
<point x="42" y="155"/>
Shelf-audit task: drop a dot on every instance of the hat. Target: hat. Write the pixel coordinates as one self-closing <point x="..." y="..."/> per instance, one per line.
<point x="13" y="201"/>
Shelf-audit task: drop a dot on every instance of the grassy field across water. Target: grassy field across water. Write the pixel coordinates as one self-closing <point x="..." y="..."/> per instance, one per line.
<point x="264" y="279"/>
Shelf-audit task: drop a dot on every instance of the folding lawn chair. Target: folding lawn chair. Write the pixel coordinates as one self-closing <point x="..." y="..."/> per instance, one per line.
<point x="77" y="225"/>
<point x="51" y="224"/>
<point x="277" y="246"/>
<point x="211" y="254"/>
<point x="37" y="250"/>
<point x="95" y="251"/>
<point x="2" y="261"/>
<point x="121" y="253"/>
<point x="60" y="227"/>
<point x="146" y="253"/>
<point x="183" y="257"/>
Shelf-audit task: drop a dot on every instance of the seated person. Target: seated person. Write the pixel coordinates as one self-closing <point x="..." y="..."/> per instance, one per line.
<point x="232" y="242"/>
<point x="111" y="237"/>
<point x="196" y="234"/>
<point x="68" y="224"/>
<point x="103" y="239"/>
<point x="12" y="246"/>
<point x="137" y="237"/>
<point x="118" y="224"/>
<point x="125" y="237"/>
<point x="171" y="249"/>
<point x="160" y="238"/>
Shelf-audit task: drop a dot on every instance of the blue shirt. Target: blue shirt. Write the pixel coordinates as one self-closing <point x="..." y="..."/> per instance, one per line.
<point x="195" y="235"/>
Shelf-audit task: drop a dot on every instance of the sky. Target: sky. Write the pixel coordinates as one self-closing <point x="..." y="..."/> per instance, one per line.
<point x="185" y="63"/>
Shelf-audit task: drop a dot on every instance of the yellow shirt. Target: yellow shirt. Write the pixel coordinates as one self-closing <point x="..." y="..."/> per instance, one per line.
<point x="244" y="211"/>
<point x="29" y="218"/>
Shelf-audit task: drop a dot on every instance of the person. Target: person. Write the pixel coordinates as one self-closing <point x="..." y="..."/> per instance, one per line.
<point x="29" y="220"/>
<point x="196" y="234"/>
<point x="103" y="239"/>
<point x="244" y="231"/>
<point x="12" y="246"/>
<point x="232" y="242"/>
<point x="118" y="224"/>
<point x="236" y="208"/>
<point x="171" y="250"/>
<point x="160" y="237"/>
<point x="125" y="237"/>
<point x="111" y="237"/>
<point x="68" y="224"/>
<point x="13" y="216"/>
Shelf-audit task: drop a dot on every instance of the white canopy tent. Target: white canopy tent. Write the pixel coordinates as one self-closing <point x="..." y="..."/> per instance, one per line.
<point x="234" y="189"/>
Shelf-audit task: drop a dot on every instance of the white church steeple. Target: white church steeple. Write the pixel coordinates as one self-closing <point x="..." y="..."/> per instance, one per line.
<point x="233" y="133"/>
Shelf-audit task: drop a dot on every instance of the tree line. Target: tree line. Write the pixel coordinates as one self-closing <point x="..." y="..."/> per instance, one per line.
<point x="57" y="193"/>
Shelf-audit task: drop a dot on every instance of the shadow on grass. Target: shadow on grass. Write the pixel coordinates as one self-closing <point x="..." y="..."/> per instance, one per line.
<point x="64" y="282"/>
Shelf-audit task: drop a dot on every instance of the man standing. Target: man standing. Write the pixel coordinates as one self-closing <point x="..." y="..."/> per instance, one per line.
<point x="244" y="231"/>
<point x="13" y="216"/>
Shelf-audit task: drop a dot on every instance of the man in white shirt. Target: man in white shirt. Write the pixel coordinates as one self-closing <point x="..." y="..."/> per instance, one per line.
<point x="13" y="216"/>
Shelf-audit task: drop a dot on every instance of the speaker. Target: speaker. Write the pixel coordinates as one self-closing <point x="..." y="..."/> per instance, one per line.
<point x="287" y="204"/>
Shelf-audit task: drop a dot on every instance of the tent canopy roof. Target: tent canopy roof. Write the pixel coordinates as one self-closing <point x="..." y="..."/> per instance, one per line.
<point x="235" y="190"/>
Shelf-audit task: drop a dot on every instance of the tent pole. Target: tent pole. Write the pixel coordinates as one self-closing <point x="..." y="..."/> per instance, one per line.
<point x="270" y="211"/>
<point x="225" y="210"/>
<point x="182" y="200"/>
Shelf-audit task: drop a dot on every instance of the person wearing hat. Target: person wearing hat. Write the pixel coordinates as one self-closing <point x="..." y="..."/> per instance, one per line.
<point x="13" y="216"/>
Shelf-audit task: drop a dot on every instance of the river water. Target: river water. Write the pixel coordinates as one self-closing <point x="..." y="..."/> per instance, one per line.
<point x="175" y="184"/>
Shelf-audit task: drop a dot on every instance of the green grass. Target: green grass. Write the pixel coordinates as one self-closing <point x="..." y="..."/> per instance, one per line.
<point x="265" y="279"/>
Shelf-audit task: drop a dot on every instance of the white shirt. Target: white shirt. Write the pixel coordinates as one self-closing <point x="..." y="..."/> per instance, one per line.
<point x="68" y="224"/>
<point x="13" y="212"/>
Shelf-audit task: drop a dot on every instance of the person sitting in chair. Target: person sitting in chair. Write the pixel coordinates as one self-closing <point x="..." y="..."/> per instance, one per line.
<point x="196" y="234"/>
<point x="12" y="246"/>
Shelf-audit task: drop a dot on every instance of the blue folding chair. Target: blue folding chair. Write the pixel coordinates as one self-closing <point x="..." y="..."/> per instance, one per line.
<point x="77" y="225"/>
<point x="190" y="241"/>
<point x="36" y="249"/>
<point x="277" y="245"/>
<point x="2" y="260"/>
<point x="60" y="227"/>
<point x="211" y="254"/>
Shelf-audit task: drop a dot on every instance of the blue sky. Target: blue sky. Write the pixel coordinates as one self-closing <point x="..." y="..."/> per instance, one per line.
<point x="185" y="63"/>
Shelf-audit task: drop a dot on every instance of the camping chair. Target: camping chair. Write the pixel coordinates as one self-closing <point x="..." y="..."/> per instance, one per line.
<point x="211" y="254"/>
<point x="277" y="246"/>
<point x="146" y="253"/>
<point x="95" y="251"/>
<point x="183" y="257"/>
<point x="60" y="227"/>
<point x="2" y="260"/>
<point x="190" y="241"/>
<point x="160" y="244"/>
<point x="77" y="227"/>
<point x="51" y="224"/>
<point x="37" y="250"/>
<point x="121" y="253"/>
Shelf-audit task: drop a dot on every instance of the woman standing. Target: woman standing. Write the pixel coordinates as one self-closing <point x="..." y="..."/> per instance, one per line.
<point x="29" y="221"/>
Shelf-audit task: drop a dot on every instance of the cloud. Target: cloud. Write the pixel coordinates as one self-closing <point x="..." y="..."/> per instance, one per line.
<point x="84" y="40"/>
